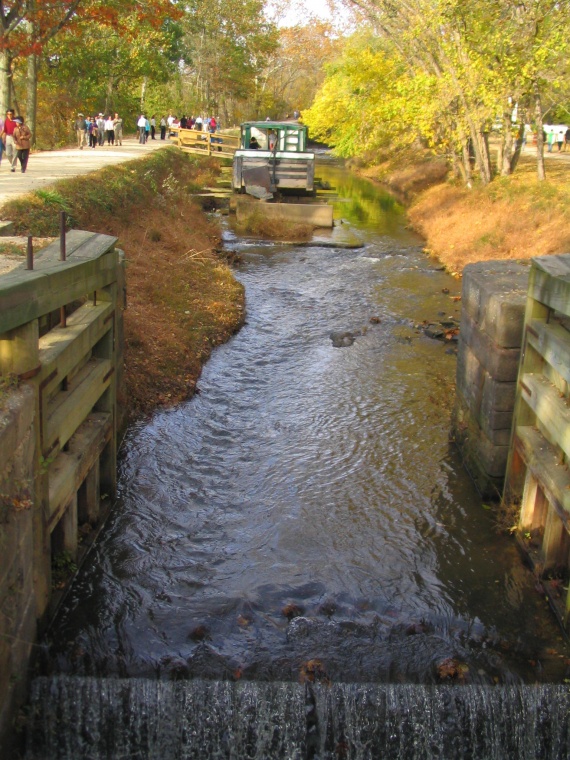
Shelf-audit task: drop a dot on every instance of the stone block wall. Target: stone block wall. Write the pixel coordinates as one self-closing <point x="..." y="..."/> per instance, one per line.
<point x="493" y="304"/>
<point x="18" y="612"/>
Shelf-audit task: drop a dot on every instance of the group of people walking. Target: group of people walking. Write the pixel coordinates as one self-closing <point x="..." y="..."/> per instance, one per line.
<point x="146" y="128"/>
<point x="94" y="130"/>
<point x="199" y="123"/>
<point x="557" y="135"/>
<point x="15" y="140"/>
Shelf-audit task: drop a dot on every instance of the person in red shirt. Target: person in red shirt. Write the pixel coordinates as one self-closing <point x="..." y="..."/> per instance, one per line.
<point x="7" y="135"/>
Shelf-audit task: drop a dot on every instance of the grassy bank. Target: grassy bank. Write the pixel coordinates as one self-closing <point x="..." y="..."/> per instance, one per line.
<point x="182" y="297"/>
<point x="515" y="217"/>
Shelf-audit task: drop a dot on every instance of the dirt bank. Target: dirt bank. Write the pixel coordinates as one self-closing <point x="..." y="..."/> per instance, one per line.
<point x="514" y="217"/>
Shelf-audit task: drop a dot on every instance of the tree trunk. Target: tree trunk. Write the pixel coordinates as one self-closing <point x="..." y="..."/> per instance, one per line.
<point x="109" y="96"/>
<point x="466" y="163"/>
<point x="505" y="165"/>
<point x="143" y="93"/>
<point x="485" y="159"/>
<point x="480" y="150"/>
<point x="32" y="95"/>
<point x="540" y="170"/>
<point x="518" y="145"/>
<point x="5" y="81"/>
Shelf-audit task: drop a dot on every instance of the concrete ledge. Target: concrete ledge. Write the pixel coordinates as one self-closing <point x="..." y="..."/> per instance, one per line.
<point x="494" y="296"/>
<point x="317" y="214"/>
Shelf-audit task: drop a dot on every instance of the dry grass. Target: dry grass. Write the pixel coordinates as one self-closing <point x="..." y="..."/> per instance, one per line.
<point x="182" y="301"/>
<point x="515" y="217"/>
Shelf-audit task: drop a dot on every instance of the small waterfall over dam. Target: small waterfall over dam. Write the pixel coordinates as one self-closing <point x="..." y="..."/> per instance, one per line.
<point x="190" y="720"/>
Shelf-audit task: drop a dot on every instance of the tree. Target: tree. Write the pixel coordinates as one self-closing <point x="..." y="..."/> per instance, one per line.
<point x="295" y="69"/>
<point x="466" y="63"/>
<point x="227" y="44"/>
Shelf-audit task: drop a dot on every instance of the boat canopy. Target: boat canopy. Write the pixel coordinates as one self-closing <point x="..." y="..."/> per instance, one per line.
<point x="286" y="136"/>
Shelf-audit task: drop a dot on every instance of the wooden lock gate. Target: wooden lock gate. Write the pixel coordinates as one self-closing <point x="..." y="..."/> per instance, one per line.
<point x="538" y="476"/>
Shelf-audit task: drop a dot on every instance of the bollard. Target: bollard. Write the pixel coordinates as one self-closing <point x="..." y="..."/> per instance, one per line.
<point x="62" y="252"/>
<point x="30" y="253"/>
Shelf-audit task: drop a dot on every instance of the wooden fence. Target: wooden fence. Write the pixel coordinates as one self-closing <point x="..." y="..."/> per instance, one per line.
<point x="537" y="475"/>
<point x="61" y="334"/>
<point x="218" y="144"/>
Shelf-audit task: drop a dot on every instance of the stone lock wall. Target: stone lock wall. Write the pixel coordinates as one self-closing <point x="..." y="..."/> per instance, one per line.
<point x="493" y="305"/>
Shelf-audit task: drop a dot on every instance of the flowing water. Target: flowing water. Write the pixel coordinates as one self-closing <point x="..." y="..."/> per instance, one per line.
<point x="306" y="519"/>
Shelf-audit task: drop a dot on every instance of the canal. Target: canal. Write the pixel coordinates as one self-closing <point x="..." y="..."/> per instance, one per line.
<point x="306" y="510"/>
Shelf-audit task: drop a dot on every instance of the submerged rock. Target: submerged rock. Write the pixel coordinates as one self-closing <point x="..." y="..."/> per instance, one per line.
<point x="343" y="339"/>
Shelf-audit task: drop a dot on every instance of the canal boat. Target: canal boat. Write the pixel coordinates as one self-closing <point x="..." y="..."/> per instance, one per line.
<point x="273" y="158"/>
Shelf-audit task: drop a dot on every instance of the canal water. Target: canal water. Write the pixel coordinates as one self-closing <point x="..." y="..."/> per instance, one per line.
<point x="305" y="517"/>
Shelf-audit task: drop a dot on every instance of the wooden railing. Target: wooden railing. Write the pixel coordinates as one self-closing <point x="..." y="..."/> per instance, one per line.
<point x="61" y="334"/>
<point x="538" y="476"/>
<point x="217" y="144"/>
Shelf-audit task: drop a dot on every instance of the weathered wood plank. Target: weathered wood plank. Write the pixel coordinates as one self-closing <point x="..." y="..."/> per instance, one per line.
<point x="70" y="408"/>
<point x="550" y="408"/>
<point x="555" y="543"/>
<point x="543" y="460"/>
<point x="78" y="245"/>
<point x="63" y="347"/>
<point x="552" y="341"/>
<point x="549" y="283"/>
<point x="555" y="266"/>
<point x="70" y="467"/>
<point x="28" y="295"/>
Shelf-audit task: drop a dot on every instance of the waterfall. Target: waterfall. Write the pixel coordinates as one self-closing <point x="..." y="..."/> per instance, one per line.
<point x="73" y="718"/>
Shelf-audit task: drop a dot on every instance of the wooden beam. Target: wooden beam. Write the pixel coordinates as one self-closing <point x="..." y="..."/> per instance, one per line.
<point x="550" y="282"/>
<point x="550" y="408"/>
<point x="71" y="467"/>
<point x="70" y="408"/>
<point x="543" y="460"/>
<point x="63" y="347"/>
<point x="25" y="296"/>
<point x="552" y="341"/>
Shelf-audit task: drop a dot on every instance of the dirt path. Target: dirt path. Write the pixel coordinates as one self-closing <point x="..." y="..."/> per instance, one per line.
<point x="46" y="167"/>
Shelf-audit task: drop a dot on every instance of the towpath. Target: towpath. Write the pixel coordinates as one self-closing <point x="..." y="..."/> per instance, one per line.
<point x="45" y="167"/>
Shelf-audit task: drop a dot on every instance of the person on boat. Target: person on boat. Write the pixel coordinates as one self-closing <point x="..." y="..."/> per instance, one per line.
<point x="253" y="144"/>
<point x="272" y="139"/>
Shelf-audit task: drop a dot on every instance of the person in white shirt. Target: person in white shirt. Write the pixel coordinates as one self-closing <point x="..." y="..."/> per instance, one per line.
<point x="170" y="119"/>
<point x="110" y="130"/>
<point x="141" y="124"/>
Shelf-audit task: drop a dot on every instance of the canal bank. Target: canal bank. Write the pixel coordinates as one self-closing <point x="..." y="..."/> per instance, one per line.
<point x="514" y="217"/>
